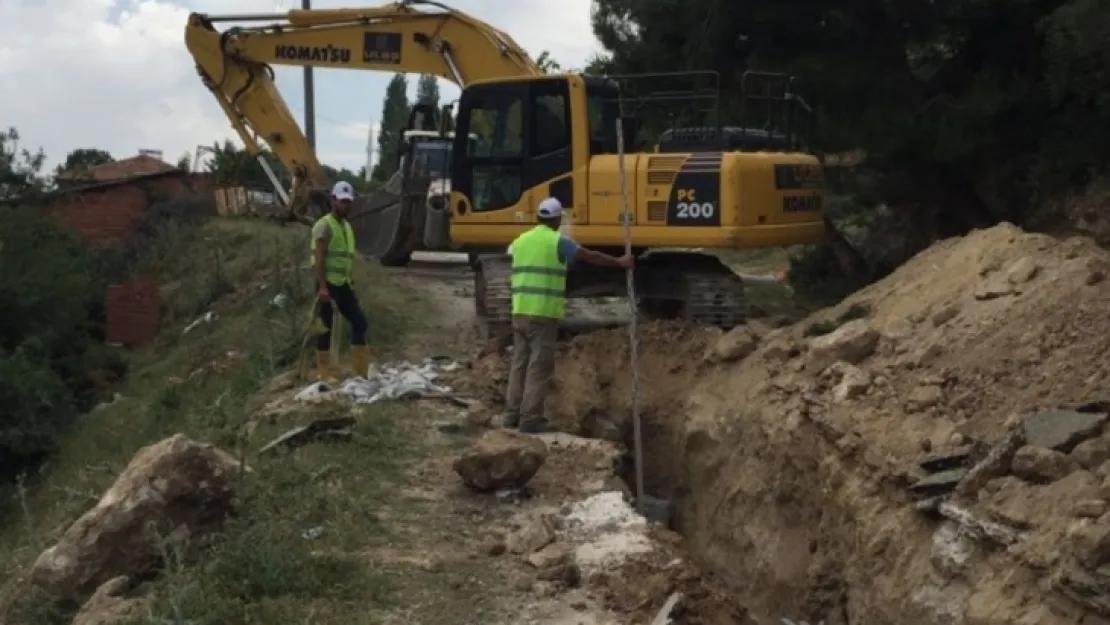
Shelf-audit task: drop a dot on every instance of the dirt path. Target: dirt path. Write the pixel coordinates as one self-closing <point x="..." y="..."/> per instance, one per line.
<point x="453" y="557"/>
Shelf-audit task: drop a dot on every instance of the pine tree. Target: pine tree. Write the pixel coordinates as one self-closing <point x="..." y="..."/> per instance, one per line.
<point x="395" y="112"/>
<point x="427" y="90"/>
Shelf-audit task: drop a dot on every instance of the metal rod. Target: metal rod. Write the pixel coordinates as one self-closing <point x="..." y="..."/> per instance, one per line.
<point x="245" y="17"/>
<point x="454" y="67"/>
<point x="633" y="330"/>
<point x="273" y="179"/>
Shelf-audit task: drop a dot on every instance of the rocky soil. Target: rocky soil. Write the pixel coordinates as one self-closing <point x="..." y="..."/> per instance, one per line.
<point x="931" y="450"/>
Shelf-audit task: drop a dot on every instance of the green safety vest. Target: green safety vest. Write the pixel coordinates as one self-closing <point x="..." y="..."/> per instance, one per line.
<point x="539" y="282"/>
<point x="340" y="259"/>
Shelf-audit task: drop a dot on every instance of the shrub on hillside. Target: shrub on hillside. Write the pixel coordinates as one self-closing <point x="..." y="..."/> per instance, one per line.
<point x="52" y="359"/>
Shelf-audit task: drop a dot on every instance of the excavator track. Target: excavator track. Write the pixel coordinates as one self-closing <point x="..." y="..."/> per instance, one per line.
<point x="715" y="297"/>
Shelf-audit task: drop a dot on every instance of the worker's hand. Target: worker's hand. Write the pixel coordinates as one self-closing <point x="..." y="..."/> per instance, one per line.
<point x="322" y="295"/>
<point x="625" y="261"/>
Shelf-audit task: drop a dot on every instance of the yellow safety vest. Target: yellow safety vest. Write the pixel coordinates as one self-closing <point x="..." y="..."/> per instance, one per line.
<point x="340" y="260"/>
<point x="539" y="281"/>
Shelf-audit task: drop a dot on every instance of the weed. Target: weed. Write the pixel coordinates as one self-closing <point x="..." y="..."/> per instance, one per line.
<point x="265" y="559"/>
<point x="35" y="607"/>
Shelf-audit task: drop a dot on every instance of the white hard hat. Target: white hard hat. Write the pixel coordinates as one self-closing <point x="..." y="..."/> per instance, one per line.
<point x="550" y="208"/>
<point x="343" y="191"/>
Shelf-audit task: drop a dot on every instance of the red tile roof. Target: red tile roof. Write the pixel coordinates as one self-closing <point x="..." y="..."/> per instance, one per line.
<point x="118" y="170"/>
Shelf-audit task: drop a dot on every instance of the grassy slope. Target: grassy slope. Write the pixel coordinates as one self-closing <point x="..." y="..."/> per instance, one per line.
<point x="206" y="384"/>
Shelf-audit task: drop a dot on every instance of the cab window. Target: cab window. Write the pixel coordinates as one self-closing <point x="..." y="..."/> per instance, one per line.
<point x="549" y="153"/>
<point x="499" y="129"/>
<point x="550" y="131"/>
<point x="497" y="156"/>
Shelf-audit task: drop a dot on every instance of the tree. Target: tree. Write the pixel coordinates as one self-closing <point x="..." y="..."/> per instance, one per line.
<point x="969" y="113"/>
<point x="427" y="90"/>
<point x="229" y="164"/>
<point x="547" y="63"/>
<point x="20" y="168"/>
<point x="52" y="289"/>
<point x="357" y="179"/>
<point x="185" y="162"/>
<point x="395" y="112"/>
<point x="83" y="158"/>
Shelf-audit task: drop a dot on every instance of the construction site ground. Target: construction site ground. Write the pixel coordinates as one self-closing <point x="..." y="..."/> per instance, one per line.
<point x="792" y="450"/>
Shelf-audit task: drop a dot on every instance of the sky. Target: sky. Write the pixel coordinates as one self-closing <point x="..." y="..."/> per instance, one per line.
<point x="115" y="74"/>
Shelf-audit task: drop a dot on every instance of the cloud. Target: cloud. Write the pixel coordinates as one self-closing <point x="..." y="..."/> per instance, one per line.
<point x="115" y="75"/>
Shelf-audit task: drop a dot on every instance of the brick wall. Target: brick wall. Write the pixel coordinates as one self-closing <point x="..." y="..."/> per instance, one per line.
<point x="133" y="312"/>
<point x="109" y="214"/>
<point x="103" y="216"/>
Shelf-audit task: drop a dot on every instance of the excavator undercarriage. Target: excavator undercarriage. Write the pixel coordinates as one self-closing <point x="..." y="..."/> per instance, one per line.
<point x="691" y="286"/>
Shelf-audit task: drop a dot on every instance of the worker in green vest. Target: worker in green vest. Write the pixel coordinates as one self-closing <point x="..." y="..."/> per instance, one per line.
<point x="539" y="279"/>
<point x="333" y="260"/>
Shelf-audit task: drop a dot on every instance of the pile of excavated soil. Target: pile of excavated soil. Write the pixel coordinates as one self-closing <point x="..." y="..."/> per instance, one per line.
<point x="790" y="454"/>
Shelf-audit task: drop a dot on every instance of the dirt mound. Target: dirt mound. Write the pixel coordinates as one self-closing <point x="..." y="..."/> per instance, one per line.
<point x="790" y="461"/>
<point x="809" y="473"/>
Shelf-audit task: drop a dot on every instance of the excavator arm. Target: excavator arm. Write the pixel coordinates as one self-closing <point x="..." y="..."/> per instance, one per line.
<point x="235" y="65"/>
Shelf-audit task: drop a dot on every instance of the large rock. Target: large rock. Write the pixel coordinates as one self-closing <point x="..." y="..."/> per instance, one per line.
<point x="1062" y="430"/>
<point x="853" y="381"/>
<point x="532" y="537"/>
<point x="177" y="489"/>
<point x="852" y="343"/>
<point x="1040" y="465"/>
<point x="501" y="459"/>
<point x="734" y="345"/>
<point x="111" y="605"/>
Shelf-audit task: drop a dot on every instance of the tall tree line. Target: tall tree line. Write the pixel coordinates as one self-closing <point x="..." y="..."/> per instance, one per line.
<point x="394" y="117"/>
<point x="968" y="112"/>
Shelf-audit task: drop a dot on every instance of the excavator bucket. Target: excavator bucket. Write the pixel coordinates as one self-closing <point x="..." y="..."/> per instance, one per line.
<point x="381" y="226"/>
<point x="389" y="223"/>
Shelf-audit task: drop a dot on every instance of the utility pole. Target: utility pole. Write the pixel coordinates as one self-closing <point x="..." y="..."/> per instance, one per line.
<point x="369" y="152"/>
<point x="309" y="98"/>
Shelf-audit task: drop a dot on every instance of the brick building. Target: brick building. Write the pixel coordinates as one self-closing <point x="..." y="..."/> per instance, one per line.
<point x="106" y="204"/>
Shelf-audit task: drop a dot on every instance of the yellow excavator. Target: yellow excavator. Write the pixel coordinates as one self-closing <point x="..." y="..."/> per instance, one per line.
<point x="520" y="136"/>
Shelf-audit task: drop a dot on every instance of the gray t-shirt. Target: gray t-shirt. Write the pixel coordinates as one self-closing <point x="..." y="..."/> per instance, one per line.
<point x="321" y="231"/>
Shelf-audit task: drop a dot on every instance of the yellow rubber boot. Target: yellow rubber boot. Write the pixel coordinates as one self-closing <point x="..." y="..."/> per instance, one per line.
<point x="360" y="359"/>
<point x="324" y="370"/>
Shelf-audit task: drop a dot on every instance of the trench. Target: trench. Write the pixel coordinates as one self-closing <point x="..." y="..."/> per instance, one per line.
<point x="786" y="518"/>
<point x="672" y="500"/>
<point x="755" y="516"/>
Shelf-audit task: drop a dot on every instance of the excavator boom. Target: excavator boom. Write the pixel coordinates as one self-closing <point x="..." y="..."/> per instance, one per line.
<point x="235" y="65"/>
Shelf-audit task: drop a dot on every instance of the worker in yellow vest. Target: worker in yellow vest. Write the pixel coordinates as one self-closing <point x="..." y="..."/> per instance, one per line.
<point x="539" y="280"/>
<point x="333" y="259"/>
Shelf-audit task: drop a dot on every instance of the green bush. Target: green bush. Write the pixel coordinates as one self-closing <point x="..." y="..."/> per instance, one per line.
<point x="52" y="359"/>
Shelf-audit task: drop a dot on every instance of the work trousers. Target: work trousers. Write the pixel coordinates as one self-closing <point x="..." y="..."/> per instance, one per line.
<point x="534" y="340"/>
<point x="344" y="299"/>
